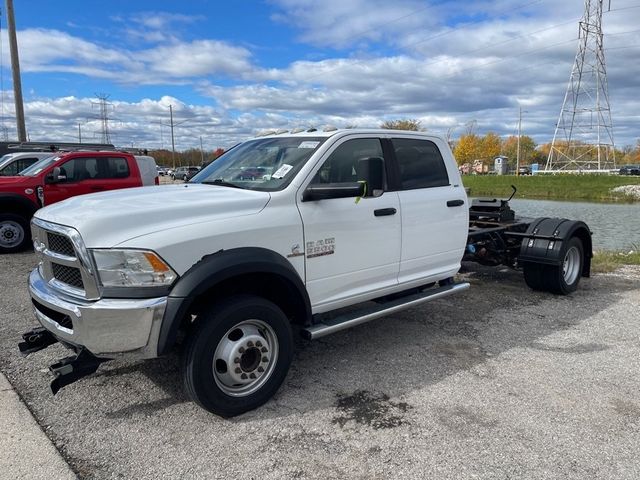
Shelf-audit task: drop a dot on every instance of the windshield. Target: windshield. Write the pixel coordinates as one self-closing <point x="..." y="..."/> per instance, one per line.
<point x="266" y="164"/>
<point x="39" y="166"/>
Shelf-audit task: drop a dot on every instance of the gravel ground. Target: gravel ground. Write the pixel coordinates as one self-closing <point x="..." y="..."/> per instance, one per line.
<point x="499" y="382"/>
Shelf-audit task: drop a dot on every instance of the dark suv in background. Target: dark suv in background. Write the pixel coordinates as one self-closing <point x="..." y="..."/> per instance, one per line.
<point x="630" y="170"/>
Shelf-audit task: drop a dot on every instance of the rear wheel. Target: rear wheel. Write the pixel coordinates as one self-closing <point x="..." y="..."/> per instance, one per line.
<point x="562" y="279"/>
<point x="238" y="356"/>
<point x="14" y="233"/>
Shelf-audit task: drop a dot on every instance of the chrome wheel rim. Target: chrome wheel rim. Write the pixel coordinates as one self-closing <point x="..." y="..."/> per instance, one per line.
<point x="571" y="265"/>
<point x="11" y="234"/>
<point x="245" y="358"/>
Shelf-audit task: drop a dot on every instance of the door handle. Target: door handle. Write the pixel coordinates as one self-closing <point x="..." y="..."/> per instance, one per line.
<point x="97" y="189"/>
<point x="455" y="203"/>
<point x="381" y="212"/>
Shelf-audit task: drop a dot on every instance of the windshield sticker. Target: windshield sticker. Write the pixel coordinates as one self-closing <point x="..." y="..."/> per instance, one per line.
<point x="308" y="144"/>
<point x="282" y="171"/>
<point x="320" y="248"/>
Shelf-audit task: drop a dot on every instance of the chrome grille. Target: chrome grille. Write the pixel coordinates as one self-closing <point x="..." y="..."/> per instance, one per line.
<point x="65" y="262"/>
<point x="69" y="275"/>
<point x="60" y="244"/>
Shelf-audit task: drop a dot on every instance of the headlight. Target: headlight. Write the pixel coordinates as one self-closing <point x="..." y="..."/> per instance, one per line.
<point x="132" y="268"/>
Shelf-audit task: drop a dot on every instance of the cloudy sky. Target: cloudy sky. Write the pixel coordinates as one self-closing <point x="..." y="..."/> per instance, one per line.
<point x="230" y="69"/>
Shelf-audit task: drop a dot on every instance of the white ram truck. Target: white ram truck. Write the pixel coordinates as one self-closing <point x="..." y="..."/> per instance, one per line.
<point x="279" y="230"/>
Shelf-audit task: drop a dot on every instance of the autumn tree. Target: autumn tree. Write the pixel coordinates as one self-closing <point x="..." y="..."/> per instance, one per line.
<point x="406" y="124"/>
<point x="467" y="149"/>
<point x="527" y="149"/>
<point x="490" y="146"/>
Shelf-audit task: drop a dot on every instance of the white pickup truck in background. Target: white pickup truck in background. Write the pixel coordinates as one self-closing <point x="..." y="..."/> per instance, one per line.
<point x="279" y="234"/>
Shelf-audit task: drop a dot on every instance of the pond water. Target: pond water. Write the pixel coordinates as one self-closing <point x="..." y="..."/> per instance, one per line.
<point x="614" y="226"/>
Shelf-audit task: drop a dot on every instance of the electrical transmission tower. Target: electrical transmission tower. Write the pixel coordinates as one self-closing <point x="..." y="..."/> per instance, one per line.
<point x="584" y="133"/>
<point x="104" y="106"/>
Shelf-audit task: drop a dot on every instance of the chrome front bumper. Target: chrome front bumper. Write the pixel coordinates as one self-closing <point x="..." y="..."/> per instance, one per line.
<point x="105" y="327"/>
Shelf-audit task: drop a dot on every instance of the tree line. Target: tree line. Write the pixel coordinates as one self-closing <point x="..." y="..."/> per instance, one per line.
<point x="192" y="156"/>
<point x="472" y="146"/>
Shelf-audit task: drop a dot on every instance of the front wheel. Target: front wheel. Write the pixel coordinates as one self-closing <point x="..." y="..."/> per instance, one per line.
<point x="238" y="356"/>
<point x="14" y="233"/>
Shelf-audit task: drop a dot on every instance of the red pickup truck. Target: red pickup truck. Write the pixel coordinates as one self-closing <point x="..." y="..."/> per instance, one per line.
<point x="61" y="176"/>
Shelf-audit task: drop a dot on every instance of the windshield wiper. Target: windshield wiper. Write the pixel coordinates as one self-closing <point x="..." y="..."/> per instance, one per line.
<point x="222" y="183"/>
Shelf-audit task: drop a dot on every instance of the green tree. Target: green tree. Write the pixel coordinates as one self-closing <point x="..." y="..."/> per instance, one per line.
<point x="405" y="124"/>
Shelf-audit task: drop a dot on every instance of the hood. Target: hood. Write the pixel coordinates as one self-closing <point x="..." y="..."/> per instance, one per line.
<point x="107" y="219"/>
<point x="15" y="181"/>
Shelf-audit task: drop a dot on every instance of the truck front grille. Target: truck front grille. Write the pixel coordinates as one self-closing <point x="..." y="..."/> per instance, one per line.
<point x="60" y="244"/>
<point x="65" y="263"/>
<point x="69" y="275"/>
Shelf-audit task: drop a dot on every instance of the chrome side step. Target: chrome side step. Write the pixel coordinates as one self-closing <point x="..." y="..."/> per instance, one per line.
<point x="371" y="313"/>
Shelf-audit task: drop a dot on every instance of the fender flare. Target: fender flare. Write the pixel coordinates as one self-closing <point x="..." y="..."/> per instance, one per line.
<point x="544" y="239"/>
<point x="214" y="269"/>
<point x="24" y="204"/>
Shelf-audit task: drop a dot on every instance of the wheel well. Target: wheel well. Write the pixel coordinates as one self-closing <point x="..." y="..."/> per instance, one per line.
<point x="16" y="207"/>
<point x="272" y="287"/>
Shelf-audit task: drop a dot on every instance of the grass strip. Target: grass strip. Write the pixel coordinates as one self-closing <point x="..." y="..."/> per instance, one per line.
<point x="606" y="261"/>
<point x="552" y="187"/>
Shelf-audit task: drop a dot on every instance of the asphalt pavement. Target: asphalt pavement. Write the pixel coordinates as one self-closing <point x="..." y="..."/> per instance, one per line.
<point x="499" y="382"/>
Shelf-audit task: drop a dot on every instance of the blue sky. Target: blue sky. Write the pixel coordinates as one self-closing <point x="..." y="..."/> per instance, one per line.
<point x="230" y="69"/>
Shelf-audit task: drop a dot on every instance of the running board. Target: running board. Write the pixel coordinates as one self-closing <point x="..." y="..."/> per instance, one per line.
<point x="371" y="313"/>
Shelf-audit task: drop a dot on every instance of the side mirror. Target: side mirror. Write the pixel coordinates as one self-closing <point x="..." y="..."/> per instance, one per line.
<point x="371" y="170"/>
<point x="325" y="191"/>
<point x="55" y="176"/>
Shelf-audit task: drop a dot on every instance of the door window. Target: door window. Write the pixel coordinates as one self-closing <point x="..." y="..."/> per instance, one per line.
<point x="116" y="167"/>
<point x="345" y="164"/>
<point x="79" y="169"/>
<point x="421" y="164"/>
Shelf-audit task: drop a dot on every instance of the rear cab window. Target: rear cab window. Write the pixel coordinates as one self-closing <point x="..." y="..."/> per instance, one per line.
<point x="420" y="164"/>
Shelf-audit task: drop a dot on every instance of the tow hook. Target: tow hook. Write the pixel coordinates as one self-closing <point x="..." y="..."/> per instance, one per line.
<point x="36" y="340"/>
<point x="70" y="369"/>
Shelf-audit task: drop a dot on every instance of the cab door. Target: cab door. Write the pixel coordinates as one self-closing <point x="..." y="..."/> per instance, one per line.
<point x="435" y="213"/>
<point x="352" y="248"/>
<point x="74" y="174"/>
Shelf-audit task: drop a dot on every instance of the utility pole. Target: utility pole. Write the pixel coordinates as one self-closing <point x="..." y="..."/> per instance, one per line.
<point x="519" y="133"/>
<point x="15" y="69"/>
<point x="201" y="152"/>
<point x="79" y="133"/>
<point x="173" y="143"/>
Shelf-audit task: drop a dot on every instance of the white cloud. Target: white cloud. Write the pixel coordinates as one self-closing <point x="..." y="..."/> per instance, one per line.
<point x="405" y="60"/>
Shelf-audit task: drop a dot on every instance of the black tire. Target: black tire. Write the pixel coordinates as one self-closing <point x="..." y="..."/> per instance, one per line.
<point x="533" y="275"/>
<point x="15" y="234"/>
<point x="184" y="179"/>
<point x="562" y="279"/>
<point x="214" y="332"/>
